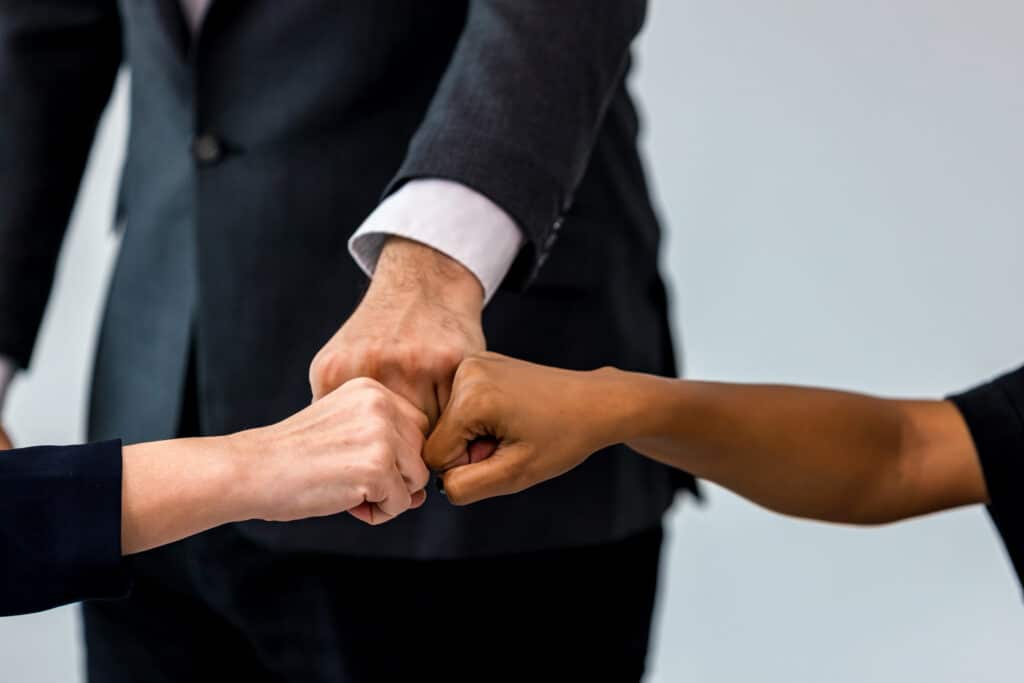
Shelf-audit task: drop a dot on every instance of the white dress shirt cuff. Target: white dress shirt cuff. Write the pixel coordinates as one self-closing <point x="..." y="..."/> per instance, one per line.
<point x="6" y="376"/>
<point x="449" y="217"/>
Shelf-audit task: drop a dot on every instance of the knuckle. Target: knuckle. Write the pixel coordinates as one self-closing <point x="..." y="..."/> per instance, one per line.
<point x="366" y="385"/>
<point x="328" y="371"/>
<point x="447" y="358"/>
<point x="469" y="368"/>
<point x="318" y="370"/>
<point x="378" y="402"/>
<point x="374" y="356"/>
<point x="456" y="493"/>
<point x="379" y="457"/>
<point x="481" y="399"/>
<point x="365" y="490"/>
<point x="420" y="477"/>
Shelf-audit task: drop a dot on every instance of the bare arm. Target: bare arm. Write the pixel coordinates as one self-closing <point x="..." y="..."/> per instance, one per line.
<point x="173" y="489"/>
<point x="807" y="452"/>
<point x="357" y="450"/>
<point x="814" y="453"/>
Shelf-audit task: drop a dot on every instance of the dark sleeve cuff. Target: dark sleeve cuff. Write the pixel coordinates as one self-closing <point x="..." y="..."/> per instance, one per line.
<point x="61" y="526"/>
<point x="993" y="413"/>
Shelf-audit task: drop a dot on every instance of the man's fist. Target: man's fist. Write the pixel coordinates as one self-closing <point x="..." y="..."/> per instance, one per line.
<point x="545" y="422"/>
<point x="420" y="318"/>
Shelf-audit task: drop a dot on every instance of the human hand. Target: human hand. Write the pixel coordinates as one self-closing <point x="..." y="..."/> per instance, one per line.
<point x="357" y="450"/>
<point x="545" y="421"/>
<point x="419" y="319"/>
<point x="5" y="441"/>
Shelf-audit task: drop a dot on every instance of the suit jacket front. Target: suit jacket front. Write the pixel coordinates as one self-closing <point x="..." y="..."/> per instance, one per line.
<point x="257" y="148"/>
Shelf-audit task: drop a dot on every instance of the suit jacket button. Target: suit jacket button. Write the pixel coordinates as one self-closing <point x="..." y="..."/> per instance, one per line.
<point x="207" y="149"/>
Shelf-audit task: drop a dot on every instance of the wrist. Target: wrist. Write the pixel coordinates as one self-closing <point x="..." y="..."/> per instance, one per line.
<point x="233" y="466"/>
<point x="609" y="395"/>
<point x="634" y="404"/>
<point x="407" y="268"/>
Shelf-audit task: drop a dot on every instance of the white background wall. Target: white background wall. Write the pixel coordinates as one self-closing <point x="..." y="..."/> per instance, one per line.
<point x="841" y="183"/>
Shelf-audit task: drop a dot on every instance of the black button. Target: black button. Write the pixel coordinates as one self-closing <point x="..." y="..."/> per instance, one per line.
<point x="207" y="149"/>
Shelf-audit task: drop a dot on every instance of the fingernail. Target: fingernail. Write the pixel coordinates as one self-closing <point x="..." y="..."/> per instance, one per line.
<point x="439" y="484"/>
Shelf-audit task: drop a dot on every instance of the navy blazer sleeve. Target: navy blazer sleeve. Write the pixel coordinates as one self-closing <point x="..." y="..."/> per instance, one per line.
<point x="519" y="108"/>
<point x="60" y="526"/>
<point x="994" y="413"/>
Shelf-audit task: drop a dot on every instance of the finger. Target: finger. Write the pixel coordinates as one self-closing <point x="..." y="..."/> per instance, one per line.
<point x="444" y="388"/>
<point x="419" y="392"/>
<point x="363" y="512"/>
<point x="506" y="472"/>
<point x="370" y="513"/>
<point x="411" y="466"/>
<point x="397" y="496"/>
<point x="482" y="448"/>
<point x="412" y="415"/>
<point x="418" y="499"/>
<point x="447" y="445"/>
<point x="322" y="379"/>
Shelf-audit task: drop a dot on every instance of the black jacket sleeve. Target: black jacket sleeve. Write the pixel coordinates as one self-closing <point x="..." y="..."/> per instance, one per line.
<point x="519" y="108"/>
<point x="60" y="526"/>
<point x="994" y="413"/>
<point x="58" y="62"/>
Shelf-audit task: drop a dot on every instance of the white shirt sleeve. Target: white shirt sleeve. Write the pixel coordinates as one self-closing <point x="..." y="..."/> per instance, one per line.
<point x="449" y="217"/>
<point x="6" y="375"/>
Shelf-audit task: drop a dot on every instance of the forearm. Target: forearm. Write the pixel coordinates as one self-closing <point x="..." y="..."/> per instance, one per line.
<point x="174" y="489"/>
<point x="807" y="452"/>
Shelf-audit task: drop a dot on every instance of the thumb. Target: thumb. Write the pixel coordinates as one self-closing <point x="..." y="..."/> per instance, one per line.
<point x="506" y="472"/>
<point x="449" y="444"/>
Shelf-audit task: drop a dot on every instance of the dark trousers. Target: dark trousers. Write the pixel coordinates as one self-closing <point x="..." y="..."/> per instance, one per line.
<point x="218" y="607"/>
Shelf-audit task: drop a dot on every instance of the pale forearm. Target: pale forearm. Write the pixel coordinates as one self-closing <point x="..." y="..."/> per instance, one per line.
<point x="174" y="489"/>
<point x="808" y="452"/>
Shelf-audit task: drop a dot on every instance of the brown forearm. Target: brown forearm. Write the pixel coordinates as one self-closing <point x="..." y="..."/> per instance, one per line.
<point x="813" y="453"/>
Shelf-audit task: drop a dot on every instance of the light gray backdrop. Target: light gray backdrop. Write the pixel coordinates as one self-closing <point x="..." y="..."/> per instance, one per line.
<point x="841" y="184"/>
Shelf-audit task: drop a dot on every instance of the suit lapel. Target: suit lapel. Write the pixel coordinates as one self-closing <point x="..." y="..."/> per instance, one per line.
<point x="174" y="24"/>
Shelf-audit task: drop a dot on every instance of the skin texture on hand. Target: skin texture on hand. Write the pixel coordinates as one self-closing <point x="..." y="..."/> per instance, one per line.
<point x="357" y="450"/>
<point x="420" y="318"/>
<point x="544" y="421"/>
<point x="814" y="453"/>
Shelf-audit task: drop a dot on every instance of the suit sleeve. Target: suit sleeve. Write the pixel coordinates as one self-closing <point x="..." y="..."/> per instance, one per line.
<point x="518" y="110"/>
<point x="60" y="526"/>
<point x="58" y="63"/>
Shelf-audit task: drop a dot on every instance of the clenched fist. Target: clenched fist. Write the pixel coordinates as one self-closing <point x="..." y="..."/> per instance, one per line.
<point x="545" y="421"/>
<point x="357" y="450"/>
<point x="419" y="319"/>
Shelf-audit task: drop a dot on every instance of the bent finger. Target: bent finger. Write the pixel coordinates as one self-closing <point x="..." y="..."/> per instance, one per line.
<point x="504" y="473"/>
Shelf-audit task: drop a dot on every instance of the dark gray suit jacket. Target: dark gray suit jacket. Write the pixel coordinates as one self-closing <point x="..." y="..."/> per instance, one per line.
<point x="256" y="150"/>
